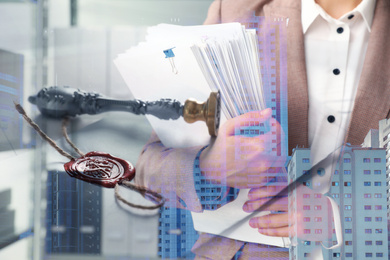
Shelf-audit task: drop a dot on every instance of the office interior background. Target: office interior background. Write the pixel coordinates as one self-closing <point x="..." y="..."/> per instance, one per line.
<point x="44" y="213"/>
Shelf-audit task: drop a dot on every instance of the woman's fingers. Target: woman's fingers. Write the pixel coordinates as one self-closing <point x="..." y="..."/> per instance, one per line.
<point x="272" y="224"/>
<point x="280" y="204"/>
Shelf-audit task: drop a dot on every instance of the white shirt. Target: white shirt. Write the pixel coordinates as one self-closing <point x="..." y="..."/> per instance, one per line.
<point x="334" y="50"/>
<point x="333" y="46"/>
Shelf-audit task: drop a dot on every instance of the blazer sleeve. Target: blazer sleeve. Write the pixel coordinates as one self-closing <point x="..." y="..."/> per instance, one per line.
<point x="169" y="171"/>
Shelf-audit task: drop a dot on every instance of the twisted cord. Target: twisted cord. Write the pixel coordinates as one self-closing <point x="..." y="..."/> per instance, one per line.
<point x="44" y="136"/>
<point x="64" y="132"/>
<point x="154" y="196"/>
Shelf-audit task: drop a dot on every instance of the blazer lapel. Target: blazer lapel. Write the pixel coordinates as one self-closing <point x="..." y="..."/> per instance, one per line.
<point x="372" y="98"/>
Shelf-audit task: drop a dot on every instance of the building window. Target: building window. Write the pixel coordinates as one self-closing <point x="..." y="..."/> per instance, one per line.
<point x="306" y="255"/>
<point x="367" y="183"/>
<point x="306" y="196"/>
<point x="348" y="231"/>
<point x="368" y="231"/>
<point x="317" y="219"/>
<point x="368" y="243"/>
<point x="367" y="219"/>
<point x="368" y="254"/>
<point x="347" y="183"/>
<point x="367" y="207"/>
<point x="367" y="195"/>
<point x="348" y="254"/>
<point x="378" y="207"/>
<point x="306" y="183"/>
<point x="366" y="160"/>
<point x="348" y="243"/>
<point x="379" y="254"/>
<point x="336" y="254"/>
<point x="318" y="231"/>
<point x="347" y="160"/>
<point x="336" y="172"/>
<point x="305" y="160"/>
<point x="317" y="207"/>
<point x="307" y="243"/>
<point x="378" y="219"/>
<point x="377" y="160"/>
<point x="347" y="207"/>
<point x="378" y="195"/>
<point x="306" y="207"/>
<point x="305" y="172"/>
<point x="377" y="172"/>
<point x="318" y="195"/>
<point x="347" y="172"/>
<point x="306" y="219"/>
<point x="335" y="195"/>
<point x="379" y="243"/>
<point x="348" y="219"/>
<point x="318" y="243"/>
<point x="378" y="183"/>
<point x="335" y="183"/>
<point x="306" y="231"/>
<point x="378" y="231"/>
<point x="347" y="195"/>
<point x="367" y="172"/>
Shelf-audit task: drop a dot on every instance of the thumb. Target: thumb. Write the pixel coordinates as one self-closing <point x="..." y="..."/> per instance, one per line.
<point x="259" y="116"/>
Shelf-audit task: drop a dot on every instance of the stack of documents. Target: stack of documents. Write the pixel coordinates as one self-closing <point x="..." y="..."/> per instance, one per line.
<point x="182" y="62"/>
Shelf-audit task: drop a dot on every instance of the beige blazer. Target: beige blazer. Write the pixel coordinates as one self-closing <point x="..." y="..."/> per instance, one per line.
<point x="169" y="171"/>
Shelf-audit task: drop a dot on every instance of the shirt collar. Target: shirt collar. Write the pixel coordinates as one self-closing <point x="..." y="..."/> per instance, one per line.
<point x="311" y="10"/>
<point x="366" y="8"/>
<point x="309" y="13"/>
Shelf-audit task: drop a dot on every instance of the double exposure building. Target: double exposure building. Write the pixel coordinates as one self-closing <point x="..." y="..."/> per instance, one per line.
<point x="358" y="186"/>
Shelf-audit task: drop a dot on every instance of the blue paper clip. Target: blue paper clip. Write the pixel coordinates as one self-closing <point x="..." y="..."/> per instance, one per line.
<point x="170" y="55"/>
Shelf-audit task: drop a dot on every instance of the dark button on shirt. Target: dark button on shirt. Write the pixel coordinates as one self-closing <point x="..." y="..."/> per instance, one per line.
<point x="340" y="30"/>
<point x="331" y="119"/>
<point x="336" y="71"/>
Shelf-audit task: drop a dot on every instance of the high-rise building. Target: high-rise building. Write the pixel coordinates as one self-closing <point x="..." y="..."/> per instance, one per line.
<point x="273" y="59"/>
<point x="358" y="186"/>
<point x="384" y="138"/>
<point x="176" y="234"/>
<point x="74" y="215"/>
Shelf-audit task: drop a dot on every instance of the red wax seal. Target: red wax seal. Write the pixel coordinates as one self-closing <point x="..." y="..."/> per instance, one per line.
<point x="101" y="169"/>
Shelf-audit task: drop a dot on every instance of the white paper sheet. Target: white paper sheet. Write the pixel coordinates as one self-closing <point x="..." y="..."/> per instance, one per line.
<point x="220" y="221"/>
<point x="149" y="75"/>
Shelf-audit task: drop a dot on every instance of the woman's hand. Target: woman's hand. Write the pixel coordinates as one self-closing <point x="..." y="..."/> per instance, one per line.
<point x="240" y="161"/>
